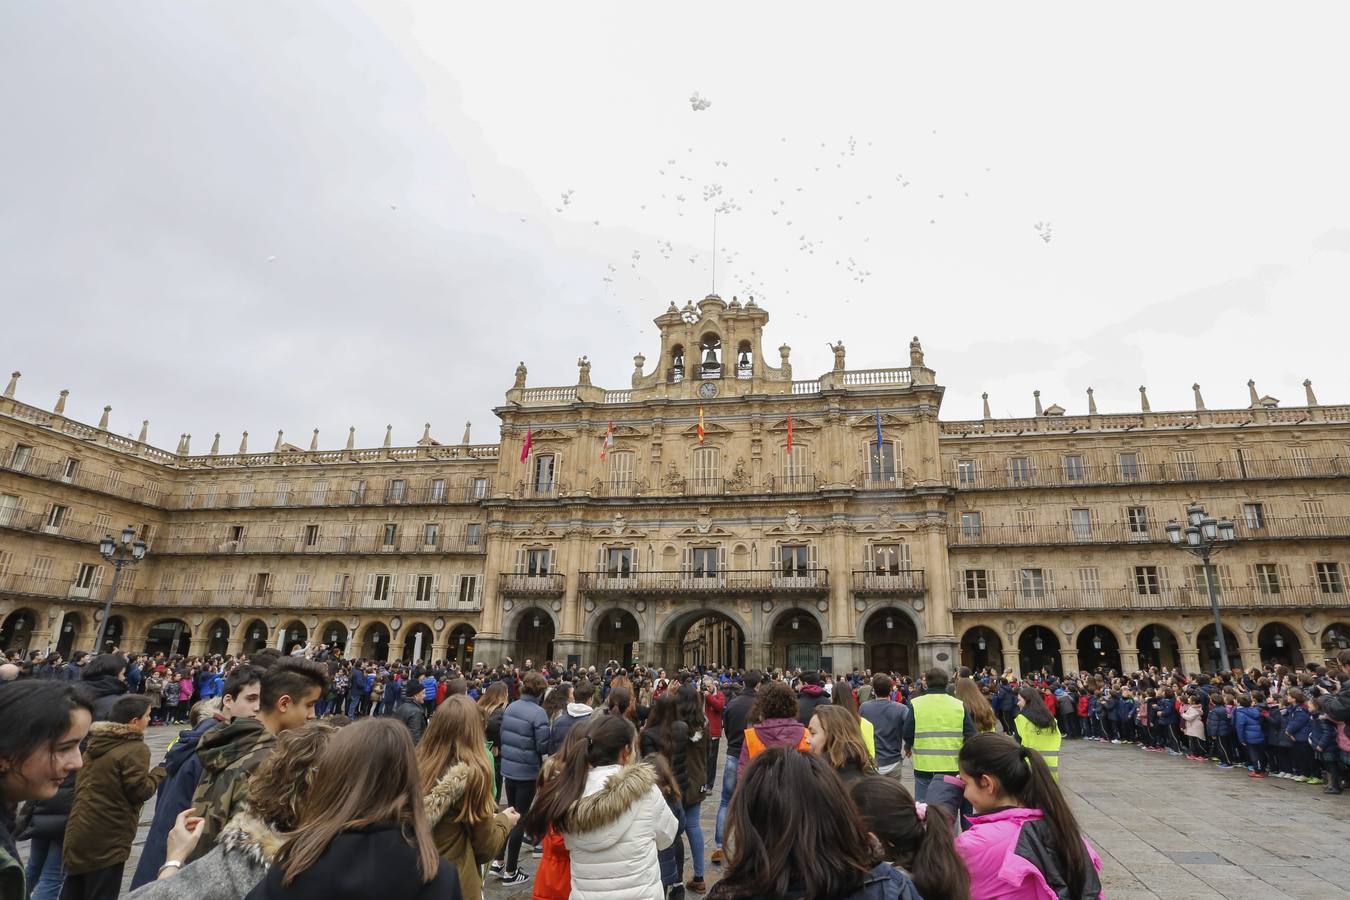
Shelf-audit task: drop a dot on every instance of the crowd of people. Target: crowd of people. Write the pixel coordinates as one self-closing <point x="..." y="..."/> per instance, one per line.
<point x="307" y="775"/>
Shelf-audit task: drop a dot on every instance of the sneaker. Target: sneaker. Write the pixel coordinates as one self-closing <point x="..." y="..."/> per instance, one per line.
<point x="1213" y="759"/>
<point x="496" y="868"/>
<point x="538" y="851"/>
<point x="1115" y="740"/>
<point x="675" y="892"/>
<point x="1331" y="790"/>
<point x="1300" y="778"/>
<point x="1260" y="774"/>
<point x="515" y="877"/>
<point x="1224" y="766"/>
<point x="1315" y="780"/>
<point x="717" y="857"/>
<point x="698" y="886"/>
<point x="1173" y="752"/>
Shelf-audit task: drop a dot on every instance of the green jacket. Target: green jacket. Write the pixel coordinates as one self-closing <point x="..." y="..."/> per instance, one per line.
<point x="229" y="754"/>
<point x="114" y="783"/>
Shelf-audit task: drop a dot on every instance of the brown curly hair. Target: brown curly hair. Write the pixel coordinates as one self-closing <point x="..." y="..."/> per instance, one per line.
<point x="284" y="777"/>
<point x="774" y="700"/>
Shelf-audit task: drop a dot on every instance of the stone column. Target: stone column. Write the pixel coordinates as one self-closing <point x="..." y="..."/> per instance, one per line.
<point x="840" y="640"/>
<point x="1190" y="661"/>
<point x="198" y="642"/>
<point x="236" y="642"/>
<point x="417" y="645"/>
<point x="491" y="650"/>
<point x="1068" y="660"/>
<point x="45" y="624"/>
<point x="1129" y="661"/>
<point x="1012" y="659"/>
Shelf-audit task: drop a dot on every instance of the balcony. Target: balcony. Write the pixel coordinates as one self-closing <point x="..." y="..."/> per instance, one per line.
<point x="38" y="523"/>
<point x="727" y="581"/>
<point x="791" y="484"/>
<point x="890" y="582"/>
<point x="85" y="476"/>
<point x="283" y="598"/>
<point x="297" y="544"/>
<point x="449" y="494"/>
<point x="45" y="587"/>
<point x="1059" y="475"/>
<point x="1290" y="528"/>
<point x="514" y="585"/>
<point x="1122" y="599"/>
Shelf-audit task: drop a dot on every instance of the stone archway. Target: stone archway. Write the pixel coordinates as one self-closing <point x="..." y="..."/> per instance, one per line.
<point x="1158" y="646"/>
<point x="1038" y="648"/>
<point x="1277" y="643"/>
<point x="534" y="634"/>
<point x="1335" y="638"/>
<point x="71" y="624"/>
<point x="375" y="642"/>
<point x="891" y="641"/>
<point x="1098" y="648"/>
<point x="417" y="640"/>
<point x="1208" y="645"/>
<point x="218" y="637"/>
<point x="461" y="645"/>
<point x="293" y="634"/>
<point x="616" y="635"/>
<point x="255" y="636"/>
<point x="168" y="636"/>
<point x="982" y="648"/>
<point x="707" y="637"/>
<point x="795" y="639"/>
<point x="334" y="634"/>
<point x="17" y="631"/>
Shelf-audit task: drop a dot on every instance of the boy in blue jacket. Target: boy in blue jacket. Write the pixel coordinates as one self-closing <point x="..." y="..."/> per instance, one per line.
<point x="1247" y="724"/>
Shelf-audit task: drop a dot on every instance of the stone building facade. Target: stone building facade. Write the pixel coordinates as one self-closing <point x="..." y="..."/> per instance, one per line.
<point x="716" y="511"/>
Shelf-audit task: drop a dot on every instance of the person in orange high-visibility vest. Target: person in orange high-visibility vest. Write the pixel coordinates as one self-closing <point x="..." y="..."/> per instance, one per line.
<point x="776" y="705"/>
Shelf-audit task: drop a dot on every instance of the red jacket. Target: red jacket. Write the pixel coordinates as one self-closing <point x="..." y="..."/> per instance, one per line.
<point x="713" y="704"/>
<point x="1083" y="705"/>
<point x="553" y="875"/>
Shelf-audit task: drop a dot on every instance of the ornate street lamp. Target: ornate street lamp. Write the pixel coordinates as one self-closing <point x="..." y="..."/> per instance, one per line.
<point x="126" y="552"/>
<point x="1205" y="536"/>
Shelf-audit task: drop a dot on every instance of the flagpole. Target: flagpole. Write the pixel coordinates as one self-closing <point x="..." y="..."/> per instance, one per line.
<point x="714" y="253"/>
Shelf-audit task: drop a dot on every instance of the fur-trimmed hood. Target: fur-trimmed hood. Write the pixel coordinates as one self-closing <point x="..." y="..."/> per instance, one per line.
<point x="621" y="790"/>
<point x="103" y="736"/>
<point x="447" y="793"/>
<point x="250" y="836"/>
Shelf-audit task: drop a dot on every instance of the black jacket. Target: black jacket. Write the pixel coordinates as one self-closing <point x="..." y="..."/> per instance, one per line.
<point x="374" y="861"/>
<point x="679" y="744"/>
<point x="412" y="715"/>
<point x="47" y="818"/>
<point x="1337" y="705"/>
<point x="103" y="693"/>
<point x="733" y="721"/>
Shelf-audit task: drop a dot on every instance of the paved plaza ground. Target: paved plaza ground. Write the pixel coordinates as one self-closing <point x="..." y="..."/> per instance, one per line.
<point x="1165" y="828"/>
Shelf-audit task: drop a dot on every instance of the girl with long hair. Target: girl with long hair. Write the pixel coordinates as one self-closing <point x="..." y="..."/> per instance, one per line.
<point x="917" y="838"/>
<point x="793" y="832"/>
<point x="842" y="696"/>
<point x="610" y="812"/>
<point x="362" y="829"/>
<point x="667" y="736"/>
<point x="689" y="705"/>
<point x="977" y="704"/>
<point x="457" y="787"/>
<point x="492" y="706"/>
<point x="834" y="735"/>
<point x="1036" y="727"/>
<point x="1023" y="842"/>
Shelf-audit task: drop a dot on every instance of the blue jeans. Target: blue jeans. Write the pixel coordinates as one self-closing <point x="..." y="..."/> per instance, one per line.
<point x="44" y="873"/>
<point x="729" y="771"/>
<point x="353" y="705"/>
<point x="671" y="859"/>
<point x="693" y="829"/>
<point x="921" y="782"/>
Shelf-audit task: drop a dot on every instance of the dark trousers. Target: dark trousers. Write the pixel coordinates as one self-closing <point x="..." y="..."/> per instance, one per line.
<point x="1304" y="760"/>
<point x="100" y="884"/>
<point x="1255" y="757"/>
<point x="712" y="762"/>
<point x="519" y="794"/>
<point x="1067" y="721"/>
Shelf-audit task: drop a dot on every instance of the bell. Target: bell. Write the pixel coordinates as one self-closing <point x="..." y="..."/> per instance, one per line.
<point x="710" y="358"/>
<point x="745" y="359"/>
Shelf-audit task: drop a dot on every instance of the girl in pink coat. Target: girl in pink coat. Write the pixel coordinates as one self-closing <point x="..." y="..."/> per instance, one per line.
<point x="1023" y="842"/>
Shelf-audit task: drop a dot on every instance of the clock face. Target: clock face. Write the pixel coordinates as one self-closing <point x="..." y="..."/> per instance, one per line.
<point x="690" y="316"/>
<point x="707" y="390"/>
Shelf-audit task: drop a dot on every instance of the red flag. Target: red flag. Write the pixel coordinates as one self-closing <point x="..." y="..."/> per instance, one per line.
<point x="700" y="423"/>
<point x="609" y="440"/>
<point x="529" y="442"/>
<point x="789" y="446"/>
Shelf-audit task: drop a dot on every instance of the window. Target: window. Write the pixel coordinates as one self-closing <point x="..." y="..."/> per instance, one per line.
<point x="359" y="491"/>
<point x="437" y="493"/>
<point x="1026" y="520"/>
<point x="621" y="472"/>
<point x="1243" y="458"/>
<point x="468" y="587"/>
<point x="84" y="578"/>
<point x="1129" y="466"/>
<point x="245" y="494"/>
<point x="1074" y="470"/>
<point x="319" y="496"/>
<point x="705" y="467"/>
<point x="889" y="559"/>
<point x="795" y="559"/>
<point x="262" y="583"/>
<point x="537" y="562"/>
<point x="1329" y="578"/>
<point x="390" y="534"/>
<point x="1254" y="514"/>
<point x="396" y="491"/>
<point x="300" y="586"/>
<point x="236" y="535"/>
<point x="1315" y="511"/>
<point x="55" y="516"/>
<point x="977" y="584"/>
<point x="1298" y="458"/>
<point x="619" y="562"/>
<point x="1019" y="470"/>
<point x="970" y="524"/>
<point x="431" y="534"/>
<point x="1268" y="578"/>
<point x="382" y="585"/>
<point x="102" y="521"/>
<point x="967" y="472"/>
<point x="1201" y="580"/>
<point x="473" y="534"/>
<point x="543" y="473"/>
<point x="424" y="590"/>
<point x="209" y="500"/>
<point x="882" y="461"/>
<point x="1088" y="581"/>
<point x="1146" y="580"/>
<point x="1033" y="583"/>
<point x="1186" y="468"/>
<point x="22" y="455"/>
<point x="9" y="509"/>
<point x="42" y="567"/>
<point x="311" y="535"/>
<point x="794" y="465"/>
<point x="1080" y="523"/>
<point x="283" y="493"/>
<point x="480" y="488"/>
<point x="1136" y="522"/>
<point x="72" y="466"/>
<point x="705" y="562"/>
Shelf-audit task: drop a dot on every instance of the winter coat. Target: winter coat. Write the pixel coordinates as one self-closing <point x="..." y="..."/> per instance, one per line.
<point x="1298" y="724"/>
<point x="613" y="834"/>
<point x="888" y="728"/>
<point x="183" y="768"/>
<point x="46" y="819"/>
<point x="1194" y="718"/>
<point x="13" y="885"/>
<point x="734" y="715"/>
<point x="808" y="698"/>
<point x="466" y="847"/>
<point x="115" y="781"/>
<point x="493" y="728"/>
<point x="1063" y="703"/>
<point x="574" y="713"/>
<point x="553" y="875"/>
<point x="525" y="738"/>
<point x="713" y="704"/>
<point x="1323" y="734"/>
<point x="777" y="733"/>
<point x="1247" y="724"/>
<point x="154" y="689"/>
<point x="1274" y="727"/>
<point x="103" y="692"/>
<point x="359" y="863"/>
<point x="414" y="716"/>
<point x="229" y="755"/>
<point x="1010" y="855"/>
<point x="235" y="866"/>
<point x="650" y="743"/>
<point x="1219" y="723"/>
<point x="696" y="764"/>
<point x="1338" y="705"/>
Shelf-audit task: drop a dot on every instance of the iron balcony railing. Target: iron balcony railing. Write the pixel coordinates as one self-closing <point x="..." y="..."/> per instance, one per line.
<point x="282" y="597"/>
<point x="1117" y="599"/>
<point x="791" y="484"/>
<point x="888" y="581"/>
<point x="724" y="581"/>
<point x="1262" y="528"/>
<point x="414" y="542"/>
<point x="450" y="494"/>
<point x="512" y="584"/>
<point x="45" y="586"/>
<point x="86" y="475"/>
<point x="41" y="523"/>
<point x="1055" y="473"/>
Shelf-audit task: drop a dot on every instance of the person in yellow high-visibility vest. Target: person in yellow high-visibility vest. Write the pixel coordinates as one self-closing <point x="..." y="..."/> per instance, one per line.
<point x="1037" y="729"/>
<point x="936" y="731"/>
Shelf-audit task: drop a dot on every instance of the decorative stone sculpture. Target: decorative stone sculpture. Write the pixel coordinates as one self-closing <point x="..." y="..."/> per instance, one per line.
<point x="915" y="352"/>
<point x="838" y="349"/>
<point x="584" y="371"/>
<point x="521" y="371"/>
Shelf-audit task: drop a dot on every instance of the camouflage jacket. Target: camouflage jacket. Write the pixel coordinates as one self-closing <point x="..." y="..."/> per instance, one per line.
<point x="229" y="754"/>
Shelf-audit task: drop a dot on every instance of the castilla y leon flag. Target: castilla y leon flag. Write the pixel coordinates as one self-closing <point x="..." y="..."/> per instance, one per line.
<point x="700" y="423"/>
<point x="789" y="446"/>
<point x="609" y="440"/>
<point x="529" y="442"/>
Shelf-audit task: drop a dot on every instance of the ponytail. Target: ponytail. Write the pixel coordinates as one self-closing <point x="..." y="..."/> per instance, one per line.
<point x="1022" y="773"/>
<point x="923" y="847"/>
<point x="938" y="869"/>
<point x="594" y="741"/>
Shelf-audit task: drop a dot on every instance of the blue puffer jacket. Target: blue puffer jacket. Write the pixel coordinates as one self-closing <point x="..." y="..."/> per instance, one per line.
<point x="1247" y="722"/>
<point x="1167" y="711"/>
<point x="1125" y="709"/>
<point x="1298" y="723"/>
<point x="1218" y="724"/>
<point x="184" y="768"/>
<point x="526" y="738"/>
<point x="1274" y="725"/>
<point x="1323" y="735"/>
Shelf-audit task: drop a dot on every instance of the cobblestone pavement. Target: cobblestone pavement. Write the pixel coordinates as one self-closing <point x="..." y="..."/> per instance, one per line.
<point x="1164" y="827"/>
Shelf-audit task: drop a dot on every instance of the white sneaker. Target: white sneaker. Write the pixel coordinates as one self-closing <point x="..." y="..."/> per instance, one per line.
<point x="1114" y="741"/>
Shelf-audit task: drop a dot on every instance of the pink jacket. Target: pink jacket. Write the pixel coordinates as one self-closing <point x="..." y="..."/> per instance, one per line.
<point x="185" y="690"/>
<point x="1194" y="718"/>
<point x="989" y="849"/>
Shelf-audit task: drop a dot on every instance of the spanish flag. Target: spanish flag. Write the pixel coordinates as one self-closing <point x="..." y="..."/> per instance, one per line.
<point x="789" y="442"/>
<point x="609" y="440"/>
<point x="700" y="423"/>
<point x="529" y="443"/>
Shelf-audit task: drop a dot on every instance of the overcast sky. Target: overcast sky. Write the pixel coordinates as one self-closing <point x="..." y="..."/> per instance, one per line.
<point x="289" y="215"/>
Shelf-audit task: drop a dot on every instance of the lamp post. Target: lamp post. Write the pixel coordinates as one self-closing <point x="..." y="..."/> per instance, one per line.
<point x="1203" y="537"/>
<point x="126" y="552"/>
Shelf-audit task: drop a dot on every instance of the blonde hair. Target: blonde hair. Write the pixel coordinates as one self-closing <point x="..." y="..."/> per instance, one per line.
<point x="969" y="693"/>
<point x="456" y="737"/>
<point x="844" y="745"/>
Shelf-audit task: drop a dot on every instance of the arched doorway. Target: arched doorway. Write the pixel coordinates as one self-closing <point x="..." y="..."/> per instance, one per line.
<point x="168" y="636"/>
<point x="461" y="645"/>
<point x="1098" y="649"/>
<point x="112" y="635"/>
<point x="616" y="637"/>
<point x="1038" y="648"/>
<point x="534" y="638"/>
<point x="17" y="630"/>
<point x="1279" y="645"/>
<point x="218" y="637"/>
<point x="334" y="634"/>
<point x="707" y="638"/>
<point x="1335" y="639"/>
<point x="71" y="623"/>
<point x="376" y="643"/>
<point x="794" y="641"/>
<point x="417" y="643"/>
<point x="255" y="636"/>
<point x="1208" y="645"/>
<point x="1158" y="647"/>
<point x="891" y="642"/>
<point x="981" y="648"/>
<point x="293" y="634"/>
